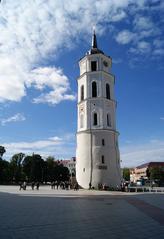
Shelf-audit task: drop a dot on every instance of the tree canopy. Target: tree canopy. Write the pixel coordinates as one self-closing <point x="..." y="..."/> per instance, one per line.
<point x="31" y="168"/>
<point x="126" y="174"/>
<point x="2" y="151"/>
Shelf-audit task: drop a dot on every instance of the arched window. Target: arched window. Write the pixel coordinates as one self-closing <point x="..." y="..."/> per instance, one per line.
<point x="94" y="89"/>
<point x="82" y="92"/>
<point x="108" y="120"/>
<point x="108" y="91"/>
<point x="81" y="121"/>
<point x="95" y="119"/>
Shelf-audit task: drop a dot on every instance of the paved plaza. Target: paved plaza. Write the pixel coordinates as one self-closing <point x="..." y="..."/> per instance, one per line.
<point x="48" y="213"/>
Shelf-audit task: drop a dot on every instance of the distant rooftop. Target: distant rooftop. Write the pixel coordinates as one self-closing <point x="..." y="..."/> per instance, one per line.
<point x="151" y="164"/>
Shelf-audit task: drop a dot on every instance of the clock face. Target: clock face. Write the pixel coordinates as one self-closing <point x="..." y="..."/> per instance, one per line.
<point x="105" y="63"/>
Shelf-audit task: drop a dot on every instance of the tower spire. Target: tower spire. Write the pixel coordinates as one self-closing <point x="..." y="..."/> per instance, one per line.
<point x="94" y="40"/>
<point x="94" y="48"/>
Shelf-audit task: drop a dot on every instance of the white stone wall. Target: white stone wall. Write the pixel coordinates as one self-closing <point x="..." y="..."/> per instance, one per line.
<point x="89" y="166"/>
<point x="107" y="173"/>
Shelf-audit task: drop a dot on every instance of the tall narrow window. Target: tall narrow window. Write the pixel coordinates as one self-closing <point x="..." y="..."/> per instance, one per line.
<point x="82" y="92"/>
<point x="81" y="121"/>
<point x="108" y="91"/>
<point x="93" y="66"/>
<point x="95" y="119"/>
<point x="94" y="89"/>
<point x="102" y="159"/>
<point x="103" y="142"/>
<point x="108" y="120"/>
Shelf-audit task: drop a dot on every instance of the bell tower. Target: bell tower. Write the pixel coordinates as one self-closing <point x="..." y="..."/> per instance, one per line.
<point x="97" y="153"/>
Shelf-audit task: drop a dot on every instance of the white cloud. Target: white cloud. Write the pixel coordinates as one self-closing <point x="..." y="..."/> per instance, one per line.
<point x="158" y="52"/>
<point x="161" y="118"/>
<point x="34" y="32"/>
<point x="143" y="47"/>
<point x="143" y="34"/>
<point x="134" y="155"/>
<point x="55" y="138"/>
<point x="120" y="15"/>
<point x="60" y="147"/>
<point x="125" y="36"/>
<point x="143" y="23"/>
<point x="15" y="118"/>
<point x="51" y="77"/>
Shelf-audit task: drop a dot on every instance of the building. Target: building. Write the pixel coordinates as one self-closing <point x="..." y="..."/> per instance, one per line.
<point x="97" y="154"/>
<point x="141" y="171"/>
<point x="71" y="165"/>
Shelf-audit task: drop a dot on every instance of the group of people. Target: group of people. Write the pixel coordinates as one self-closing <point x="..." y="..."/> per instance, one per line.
<point x="103" y="186"/>
<point x="64" y="185"/>
<point x="23" y="185"/>
<point x="124" y="186"/>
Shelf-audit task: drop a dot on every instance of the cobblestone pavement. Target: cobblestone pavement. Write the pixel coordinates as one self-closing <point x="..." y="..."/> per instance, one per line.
<point x="47" y="213"/>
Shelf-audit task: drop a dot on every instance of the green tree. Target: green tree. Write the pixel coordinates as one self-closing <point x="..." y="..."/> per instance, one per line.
<point x="2" y="151"/>
<point x="49" y="171"/>
<point x="4" y="171"/>
<point x="61" y="173"/>
<point x="27" y="167"/>
<point x="33" y="167"/>
<point x="148" y="173"/>
<point x="157" y="173"/>
<point x="16" y="167"/>
<point x="126" y="174"/>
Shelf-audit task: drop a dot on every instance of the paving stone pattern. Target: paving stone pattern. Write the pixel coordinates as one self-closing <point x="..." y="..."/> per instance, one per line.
<point x="88" y="216"/>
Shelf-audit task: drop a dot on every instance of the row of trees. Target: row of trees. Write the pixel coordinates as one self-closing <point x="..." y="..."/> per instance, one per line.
<point x="156" y="173"/>
<point x="31" y="168"/>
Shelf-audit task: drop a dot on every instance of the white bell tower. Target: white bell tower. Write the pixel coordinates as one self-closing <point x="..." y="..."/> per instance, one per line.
<point x="97" y="154"/>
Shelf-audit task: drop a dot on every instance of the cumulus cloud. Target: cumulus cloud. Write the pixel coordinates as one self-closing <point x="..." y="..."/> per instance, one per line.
<point x="34" y="32"/>
<point x="125" y="36"/>
<point x="142" y="47"/>
<point x="15" y="118"/>
<point x="51" y="77"/>
<point x="144" y="33"/>
<point x="143" y="23"/>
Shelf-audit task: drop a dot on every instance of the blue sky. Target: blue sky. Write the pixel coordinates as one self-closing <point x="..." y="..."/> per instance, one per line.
<point x="41" y="42"/>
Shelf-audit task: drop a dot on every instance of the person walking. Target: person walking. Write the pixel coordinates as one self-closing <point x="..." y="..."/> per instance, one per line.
<point x="37" y="185"/>
<point x="32" y="185"/>
<point x="24" y="185"/>
<point x="20" y="186"/>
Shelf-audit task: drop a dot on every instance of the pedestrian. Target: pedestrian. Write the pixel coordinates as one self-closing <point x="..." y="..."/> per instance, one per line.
<point x="52" y="185"/>
<point x="20" y="186"/>
<point x="32" y="185"/>
<point x="37" y="185"/>
<point x="24" y="185"/>
<point x="90" y="186"/>
<point x="57" y="185"/>
<point x="76" y="186"/>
